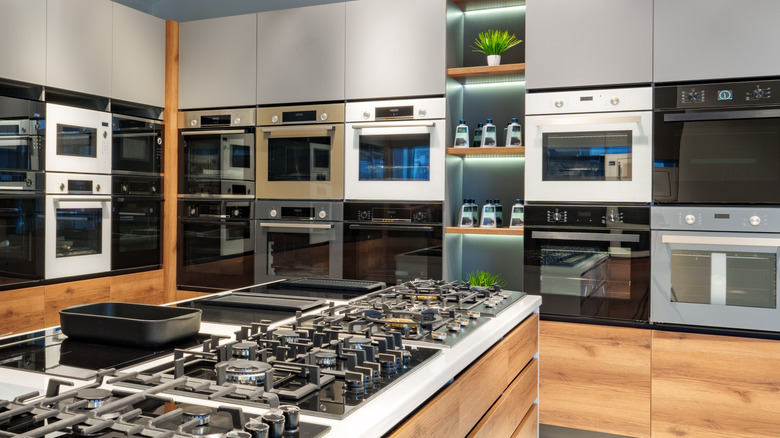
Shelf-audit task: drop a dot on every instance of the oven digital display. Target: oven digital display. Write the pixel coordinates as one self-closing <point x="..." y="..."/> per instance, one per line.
<point x="298" y="212"/>
<point x="391" y="215"/>
<point x="394" y="112"/>
<point x="75" y="185"/>
<point x="722" y="216"/>
<point x="725" y="95"/>
<point x="216" y="120"/>
<point x="299" y="116"/>
<point x="586" y="98"/>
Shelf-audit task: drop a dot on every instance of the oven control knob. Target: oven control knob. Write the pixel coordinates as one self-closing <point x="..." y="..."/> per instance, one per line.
<point x="364" y="215"/>
<point x="237" y="120"/>
<point x="274" y="119"/>
<point x="322" y="214"/>
<point x="558" y="103"/>
<point x="28" y="182"/>
<point x="193" y="211"/>
<point x="754" y="220"/>
<point x="273" y="212"/>
<point x="124" y="188"/>
<point x="614" y="100"/>
<point x="236" y="212"/>
<point x="153" y="188"/>
<point x="758" y="93"/>
<point x="689" y="219"/>
<point x="422" y="112"/>
<point x="324" y="116"/>
<point x="612" y="218"/>
<point x="193" y="122"/>
<point x="62" y="187"/>
<point x="105" y="134"/>
<point x="366" y="115"/>
<point x="557" y="217"/>
<point x="421" y="217"/>
<point x="97" y="188"/>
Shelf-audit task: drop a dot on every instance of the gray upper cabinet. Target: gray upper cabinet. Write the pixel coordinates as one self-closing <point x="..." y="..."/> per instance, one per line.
<point x="300" y="54"/>
<point x="395" y="48"/>
<point x="23" y="36"/>
<point x="715" y="39"/>
<point x="138" y="72"/>
<point x="574" y="43"/>
<point x="218" y="62"/>
<point x="78" y="45"/>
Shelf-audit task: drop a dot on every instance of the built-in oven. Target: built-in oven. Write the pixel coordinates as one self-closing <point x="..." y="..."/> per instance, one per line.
<point x="716" y="266"/>
<point x="717" y="143"/>
<point x="78" y="140"/>
<point x="136" y="222"/>
<point x="78" y="224"/>
<point x="216" y="244"/>
<point x="22" y="132"/>
<point x="299" y="239"/>
<point x="589" y="146"/>
<point x="217" y="153"/>
<point x="590" y="261"/>
<point x="300" y="152"/>
<point x="394" y="150"/>
<point x="392" y="242"/>
<point x="137" y="145"/>
<point x="21" y="238"/>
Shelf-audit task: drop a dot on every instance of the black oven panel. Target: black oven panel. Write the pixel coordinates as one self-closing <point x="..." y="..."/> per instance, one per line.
<point x="717" y="95"/>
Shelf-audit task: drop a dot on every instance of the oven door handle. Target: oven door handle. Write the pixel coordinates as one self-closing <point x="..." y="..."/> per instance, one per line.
<point x="720" y="241"/>
<point x="391" y="227"/>
<point x="560" y="121"/>
<point x="217" y="132"/>
<point x="298" y="226"/>
<point x="394" y="125"/>
<point x="11" y="188"/>
<point x="600" y="237"/>
<point x="722" y="115"/>
<point x="307" y="129"/>
<point x="80" y="198"/>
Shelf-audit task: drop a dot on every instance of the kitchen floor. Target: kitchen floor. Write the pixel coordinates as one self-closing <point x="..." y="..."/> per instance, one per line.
<point x="546" y="431"/>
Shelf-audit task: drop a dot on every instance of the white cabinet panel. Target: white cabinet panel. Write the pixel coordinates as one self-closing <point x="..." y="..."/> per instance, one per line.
<point x="573" y="43"/>
<point x="78" y="45"/>
<point x="300" y="54"/>
<point x="395" y="48"/>
<point x="715" y="39"/>
<point x="138" y="71"/>
<point x="23" y="37"/>
<point x="218" y="62"/>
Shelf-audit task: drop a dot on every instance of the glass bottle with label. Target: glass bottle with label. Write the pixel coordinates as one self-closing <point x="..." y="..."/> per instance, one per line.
<point x="488" y="215"/>
<point x="461" y="135"/>
<point x="517" y="215"/>
<point x="514" y="134"/>
<point x="466" y="218"/>
<point x="489" y="134"/>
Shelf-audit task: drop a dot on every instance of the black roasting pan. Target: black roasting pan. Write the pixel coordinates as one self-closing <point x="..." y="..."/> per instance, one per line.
<point x="139" y="325"/>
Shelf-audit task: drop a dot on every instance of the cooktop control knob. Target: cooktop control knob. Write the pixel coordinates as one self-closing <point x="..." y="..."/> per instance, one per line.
<point x="614" y="100"/>
<point x="754" y="220"/>
<point x="193" y="211"/>
<point x="324" y="116"/>
<point x="758" y="93"/>
<point x="274" y="119"/>
<point x="558" y="103"/>
<point x="689" y="219"/>
<point x="366" y="115"/>
<point x="322" y="214"/>
<point x="273" y="212"/>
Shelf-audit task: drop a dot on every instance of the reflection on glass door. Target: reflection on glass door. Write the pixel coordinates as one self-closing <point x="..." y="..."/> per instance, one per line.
<point x="400" y="157"/>
<point x="587" y="156"/>
<point x="79" y="231"/>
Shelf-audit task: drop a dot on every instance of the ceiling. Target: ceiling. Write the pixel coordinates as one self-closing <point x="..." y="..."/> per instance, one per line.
<point x="188" y="10"/>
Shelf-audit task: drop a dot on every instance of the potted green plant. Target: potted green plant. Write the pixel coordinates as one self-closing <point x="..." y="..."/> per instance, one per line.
<point x="493" y="43"/>
<point x="483" y="278"/>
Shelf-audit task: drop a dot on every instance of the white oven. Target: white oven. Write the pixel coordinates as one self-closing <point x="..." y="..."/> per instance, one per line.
<point x="394" y="150"/>
<point x="589" y="146"/>
<point x="77" y="140"/>
<point x="78" y="224"/>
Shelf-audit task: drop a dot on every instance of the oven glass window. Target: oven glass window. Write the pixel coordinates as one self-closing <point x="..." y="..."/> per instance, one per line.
<point x="136" y="233"/>
<point x="402" y="157"/>
<point x="745" y="279"/>
<point x="299" y="254"/>
<point x="134" y="148"/>
<point x="16" y="154"/>
<point x="240" y="156"/>
<point x="79" y="231"/>
<point x="207" y="259"/>
<point x="76" y="141"/>
<point x="203" y="158"/>
<point x="587" y="156"/>
<point x="21" y="237"/>
<point x="299" y="159"/>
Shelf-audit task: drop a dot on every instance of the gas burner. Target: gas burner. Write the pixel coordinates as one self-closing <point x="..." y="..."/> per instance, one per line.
<point x="358" y="343"/>
<point x="247" y="372"/>
<point x="95" y="397"/>
<point x="287" y="336"/>
<point x="325" y="359"/>
<point x="194" y="412"/>
<point x="243" y="350"/>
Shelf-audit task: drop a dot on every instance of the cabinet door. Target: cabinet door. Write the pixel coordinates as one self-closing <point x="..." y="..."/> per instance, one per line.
<point x="23" y="31"/>
<point x="395" y="48"/>
<point x="217" y="62"/>
<point x="300" y="54"/>
<point x="78" y="45"/>
<point x="138" y="72"/>
<point x="715" y="39"/>
<point x="571" y="43"/>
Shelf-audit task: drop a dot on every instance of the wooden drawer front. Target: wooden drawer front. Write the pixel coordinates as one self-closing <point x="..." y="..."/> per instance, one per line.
<point x="508" y="412"/>
<point x="523" y="344"/>
<point x="21" y="310"/>
<point x="64" y="295"/>
<point x="595" y="378"/>
<point x="529" y="427"/>
<point x="141" y="288"/>
<point x="715" y="386"/>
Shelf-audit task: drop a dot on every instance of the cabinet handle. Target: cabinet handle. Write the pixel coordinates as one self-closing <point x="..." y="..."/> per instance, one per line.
<point x="299" y="128"/>
<point x="720" y="241"/>
<point x="393" y="125"/>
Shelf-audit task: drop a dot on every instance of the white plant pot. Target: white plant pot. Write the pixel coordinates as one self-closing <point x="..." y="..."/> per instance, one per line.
<point x="494" y="59"/>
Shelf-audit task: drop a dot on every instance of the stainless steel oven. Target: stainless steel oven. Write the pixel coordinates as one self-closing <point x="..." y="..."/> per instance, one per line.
<point x="299" y="239"/>
<point x="78" y="140"/>
<point x="392" y="242"/>
<point x="301" y="152"/>
<point x="589" y="146"/>
<point x="78" y="224"/>
<point x="22" y="132"/>
<point x="716" y="266"/>
<point x="217" y="153"/>
<point x="589" y="260"/>
<point x="216" y="244"/>
<point x="717" y="143"/>
<point x="137" y="145"/>
<point x="394" y="150"/>
<point x="136" y="222"/>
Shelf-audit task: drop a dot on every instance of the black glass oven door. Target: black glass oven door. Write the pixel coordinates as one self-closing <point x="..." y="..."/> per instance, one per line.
<point x="137" y="152"/>
<point x="20" y="153"/>
<point x="209" y="256"/>
<point x="299" y="158"/>
<point x="219" y="156"/>
<point x="300" y="249"/>
<point x="589" y="273"/>
<point x="79" y="232"/>
<point x="21" y="240"/>
<point x="395" y="157"/>
<point x="136" y="241"/>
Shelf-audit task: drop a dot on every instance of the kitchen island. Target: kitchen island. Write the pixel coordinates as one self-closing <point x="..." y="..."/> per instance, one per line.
<point x="488" y="371"/>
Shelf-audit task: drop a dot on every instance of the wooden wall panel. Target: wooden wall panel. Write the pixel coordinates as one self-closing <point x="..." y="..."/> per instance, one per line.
<point x="715" y="386"/>
<point x="595" y="378"/>
<point x="170" y="158"/>
<point x="142" y="288"/>
<point x="186" y="294"/>
<point x="21" y="310"/>
<point x="63" y="295"/>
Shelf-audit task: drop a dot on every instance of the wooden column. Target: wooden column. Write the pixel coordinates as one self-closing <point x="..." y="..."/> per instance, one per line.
<point x="170" y="167"/>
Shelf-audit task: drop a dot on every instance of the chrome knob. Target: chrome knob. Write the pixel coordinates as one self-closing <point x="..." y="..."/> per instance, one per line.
<point x="159" y="140"/>
<point x="237" y="120"/>
<point x="366" y="114"/>
<point x="558" y="103"/>
<point x="614" y="100"/>
<point x="193" y="211"/>
<point x="322" y="214"/>
<point x="273" y="212"/>
<point x="236" y="212"/>
<point x="690" y="219"/>
<point x="274" y="119"/>
<point x="97" y="188"/>
<point x="612" y="218"/>
<point x="125" y="188"/>
<point x="557" y="216"/>
<point x="154" y="189"/>
<point x="62" y="186"/>
<point x="422" y="112"/>
<point x="193" y="122"/>
<point x="324" y="116"/>
<point x="758" y="93"/>
<point x="754" y="220"/>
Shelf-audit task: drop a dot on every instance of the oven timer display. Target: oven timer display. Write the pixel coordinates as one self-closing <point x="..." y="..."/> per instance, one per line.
<point x="725" y="95"/>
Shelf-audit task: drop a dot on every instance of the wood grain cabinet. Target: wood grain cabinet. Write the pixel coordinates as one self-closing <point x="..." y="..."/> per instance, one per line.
<point x="138" y="61"/>
<point x="23" y="36"/>
<point x="300" y="54"/>
<point x="21" y="310"/>
<point x="571" y="43"/>
<point x="79" y="45"/>
<point x="63" y="295"/>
